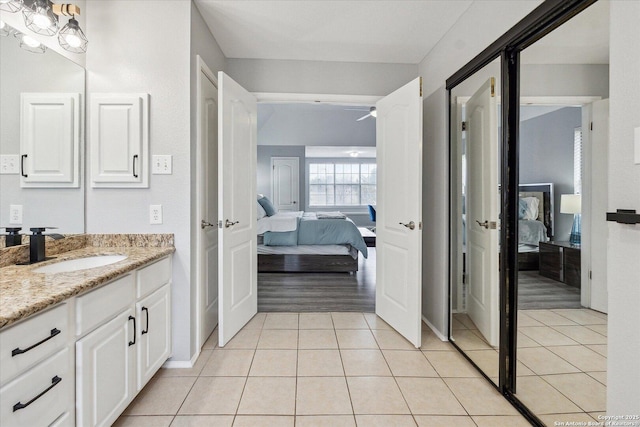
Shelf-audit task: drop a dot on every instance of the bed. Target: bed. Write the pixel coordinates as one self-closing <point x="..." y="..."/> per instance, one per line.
<point x="306" y="242"/>
<point x="533" y="230"/>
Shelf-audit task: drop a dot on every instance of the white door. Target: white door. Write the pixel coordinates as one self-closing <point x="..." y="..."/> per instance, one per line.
<point x="285" y="182"/>
<point x="237" y="260"/>
<point x="598" y="190"/>
<point x="482" y="211"/>
<point x="399" y="210"/>
<point x="208" y="204"/>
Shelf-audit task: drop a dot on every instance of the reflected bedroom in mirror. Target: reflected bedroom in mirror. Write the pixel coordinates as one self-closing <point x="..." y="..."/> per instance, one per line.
<point x="41" y="138"/>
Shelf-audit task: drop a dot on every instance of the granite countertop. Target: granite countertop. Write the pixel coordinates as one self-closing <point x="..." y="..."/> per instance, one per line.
<point x="23" y="292"/>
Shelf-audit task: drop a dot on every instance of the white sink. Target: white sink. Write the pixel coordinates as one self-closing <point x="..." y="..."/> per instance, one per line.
<point x="80" y="264"/>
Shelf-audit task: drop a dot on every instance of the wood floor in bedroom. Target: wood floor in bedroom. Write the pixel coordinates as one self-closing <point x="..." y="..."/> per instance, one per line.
<point x="316" y="292"/>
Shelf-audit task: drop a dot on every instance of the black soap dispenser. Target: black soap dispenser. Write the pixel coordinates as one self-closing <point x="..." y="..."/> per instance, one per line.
<point x="13" y="237"/>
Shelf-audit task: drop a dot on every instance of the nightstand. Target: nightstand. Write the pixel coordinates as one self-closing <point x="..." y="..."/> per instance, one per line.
<point x="560" y="261"/>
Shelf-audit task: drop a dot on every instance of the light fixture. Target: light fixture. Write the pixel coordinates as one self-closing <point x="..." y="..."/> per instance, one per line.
<point x="72" y="38"/>
<point x="353" y="154"/>
<point x="5" y="30"/>
<point x="39" y="17"/>
<point x="572" y="204"/>
<point x="30" y="44"/>
<point x="12" y="6"/>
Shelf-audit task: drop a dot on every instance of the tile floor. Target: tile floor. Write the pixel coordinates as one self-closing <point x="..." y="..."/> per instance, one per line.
<point x="562" y="361"/>
<point x="322" y="369"/>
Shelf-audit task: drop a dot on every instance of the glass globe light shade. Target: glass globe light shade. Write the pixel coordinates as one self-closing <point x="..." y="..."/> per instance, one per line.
<point x="40" y="18"/>
<point x="72" y="38"/>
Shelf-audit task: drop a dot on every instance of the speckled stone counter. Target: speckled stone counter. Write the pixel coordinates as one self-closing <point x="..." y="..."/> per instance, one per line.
<point x="24" y="292"/>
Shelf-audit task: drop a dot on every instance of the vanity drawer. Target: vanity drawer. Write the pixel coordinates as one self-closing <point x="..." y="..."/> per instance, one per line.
<point x="153" y="277"/>
<point x="45" y="392"/>
<point x="106" y="302"/>
<point x="32" y="340"/>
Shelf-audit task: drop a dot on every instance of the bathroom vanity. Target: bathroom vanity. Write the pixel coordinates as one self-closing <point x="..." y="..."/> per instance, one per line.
<point x="77" y="346"/>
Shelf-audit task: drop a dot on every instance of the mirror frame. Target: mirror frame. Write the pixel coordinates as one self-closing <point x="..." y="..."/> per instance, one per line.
<point x="541" y="21"/>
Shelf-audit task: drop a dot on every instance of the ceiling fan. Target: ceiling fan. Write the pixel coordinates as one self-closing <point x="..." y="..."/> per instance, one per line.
<point x="372" y="112"/>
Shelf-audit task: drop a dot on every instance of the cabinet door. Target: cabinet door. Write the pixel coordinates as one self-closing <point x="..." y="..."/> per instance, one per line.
<point x="50" y="140"/>
<point x="154" y="314"/>
<point x="119" y="140"/>
<point x="105" y="369"/>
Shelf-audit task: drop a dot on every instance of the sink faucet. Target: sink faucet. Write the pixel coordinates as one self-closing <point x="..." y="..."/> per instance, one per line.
<point x="37" y="246"/>
<point x="13" y="238"/>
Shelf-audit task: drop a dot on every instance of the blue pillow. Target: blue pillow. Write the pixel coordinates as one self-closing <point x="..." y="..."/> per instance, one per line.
<point x="522" y="209"/>
<point x="267" y="206"/>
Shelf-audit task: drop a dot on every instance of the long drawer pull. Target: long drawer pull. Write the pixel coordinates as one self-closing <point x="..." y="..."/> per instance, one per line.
<point x="54" y="382"/>
<point x="144" y="331"/>
<point x="134" y="331"/>
<point x="16" y="351"/>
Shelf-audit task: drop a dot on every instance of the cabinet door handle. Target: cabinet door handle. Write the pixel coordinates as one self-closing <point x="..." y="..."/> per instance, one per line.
<point x="135" y="158"/>
<point x="24" y="156"/>
<point x="54" y="382"/>
<point x="144" y="331"/>
<point x="16" y="351"/>
<point x="134" y="331"/>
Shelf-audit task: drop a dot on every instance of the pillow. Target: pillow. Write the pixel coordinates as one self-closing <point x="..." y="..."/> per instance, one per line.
<point x="268" y="206"/>
<point x="531" y="212"/>
<point x="261" y="211"/>
<point x="522" y="209"/>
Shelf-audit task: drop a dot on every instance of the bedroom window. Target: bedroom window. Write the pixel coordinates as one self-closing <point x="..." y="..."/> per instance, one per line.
<point x="342" y="184"/>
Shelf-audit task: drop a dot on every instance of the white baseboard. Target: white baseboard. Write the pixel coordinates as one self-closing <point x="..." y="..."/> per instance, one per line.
<point x="181" y="364"/>
<point x="435" y="331"/>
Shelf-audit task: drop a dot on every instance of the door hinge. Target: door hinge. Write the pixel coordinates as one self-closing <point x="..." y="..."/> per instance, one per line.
<point x="590" y="274"/>
<point x="420" y="225"/>
<point x="493" y="87"/>
<point x="420" y="87"/>
<point x="591" y="126"/>
<point x="464" y="126"/>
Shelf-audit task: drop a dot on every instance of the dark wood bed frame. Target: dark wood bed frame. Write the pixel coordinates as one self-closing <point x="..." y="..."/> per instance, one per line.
<point x="531" y="260"/>
<point x="306" y="263"/>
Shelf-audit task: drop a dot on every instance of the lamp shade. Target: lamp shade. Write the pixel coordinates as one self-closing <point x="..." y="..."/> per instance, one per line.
<point x="571" y="203"/>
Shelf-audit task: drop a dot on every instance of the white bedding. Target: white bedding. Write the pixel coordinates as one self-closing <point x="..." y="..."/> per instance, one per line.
<point x="308" y="250"/>
<point x="280" y="222"/>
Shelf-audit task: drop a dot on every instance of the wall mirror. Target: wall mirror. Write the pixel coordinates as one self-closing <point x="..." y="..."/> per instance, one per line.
<point x="45" y="74"/>
<point x="475" y="217"/>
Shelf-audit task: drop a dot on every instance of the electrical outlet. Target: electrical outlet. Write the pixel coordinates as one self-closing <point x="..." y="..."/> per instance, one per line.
<point x="9" y="164"/>
<point x="155" y="214"/>
<point x="15" y="214"/>
<point x="161" y="165"/>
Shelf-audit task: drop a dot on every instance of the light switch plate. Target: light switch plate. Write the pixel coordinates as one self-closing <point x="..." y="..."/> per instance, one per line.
<point x="9" y="164"/>
<point x="161" y="164"/>
<point x="15" y="214"/>
<point x="155" y="214"/>
<point x="636" y="145"/>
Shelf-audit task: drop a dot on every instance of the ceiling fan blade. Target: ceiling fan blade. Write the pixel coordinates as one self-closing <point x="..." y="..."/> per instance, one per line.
<point x="363" y="117"/>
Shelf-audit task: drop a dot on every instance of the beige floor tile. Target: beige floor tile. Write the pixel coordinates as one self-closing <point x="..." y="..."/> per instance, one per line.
<point x="228" y="363"/>
<point x="582" y="334"/>
<point x="214" y="395"/>
<point x="376" y="395"/>
<point x="315" y="339"/>
<point x="457" y="325"/>
<point x="465" y="320"/>
<point x="319" y="363"/>
<point x="541" y="398"/>
<point x="501" y="421"/>
<point x="203" y="421"/>
<point x="391" y="340"/>
<point x="566" y="419"/>
<point x="599" y="376"/>
<point x="257" y="322"/>
<point x="143" y="421"/>
<point x="450" y="364"/>
<point x="582" y="317"/>
<point x="586" y="392"/>
<point x="274" y="363"/>
<point x="245" y="339"/>
<point x="429" y="396"/>
<point x="212" y="341"/>
<point x="601" y="329"/>
<point x="364" y="363"/>
<point x="323" y="396"/>
<point x="547" y="336"/>
<point x="264" y="421"/>
<point x="598" y="416"/>
<point x="349" y="321"/>
<point x="543" y="362"/>
<point x="409" y="363"/>
<point x="601" y="349"/>
<point x="524" y="320"/>
<point x="281" y="321"/>
<point x="355" y="339"/>
<point x="325" y="421"/>
<point x="161" y="396"/>
<point x="316" y="321"/>
<point x="385" y="421"/>
<point x="548" y="318"/>
<point x="431" y="341"/>
<point x="468" y="340"/>
<point x="278" y="339"/>
<point x="487" y="361"/>
<point x="187" y="372"/>
<point x="268" y="396"/>
<point x="444" y="421"/>
<point x="478" y="397"/>
<point x="525" y="342"/>
<point x="597" y="313"/>
<point x="376" y="322"/>
<point x="581" y="357"/>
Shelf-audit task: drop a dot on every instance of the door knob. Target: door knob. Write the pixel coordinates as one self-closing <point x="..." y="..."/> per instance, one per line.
<point x="228" y="223"/>
<point x="488" y="224"/>
<point x="204" y="224"/>
<point x="410" y="226"/>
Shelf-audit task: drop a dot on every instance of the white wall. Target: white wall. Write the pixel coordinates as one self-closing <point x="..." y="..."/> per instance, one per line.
<point x="138" y="48"/>
<point x="623" y="251"/>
